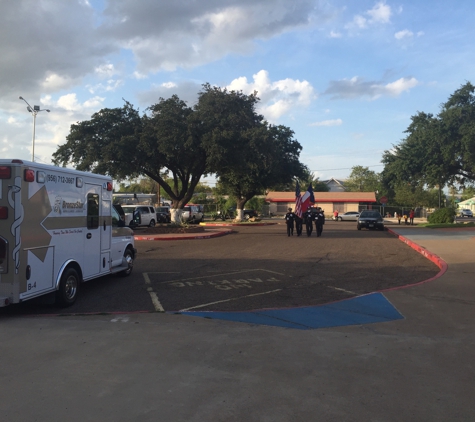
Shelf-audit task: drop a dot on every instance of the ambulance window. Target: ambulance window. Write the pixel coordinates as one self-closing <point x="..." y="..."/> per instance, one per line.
<point x="115" y="218"/>
<point x="92" y="211"/>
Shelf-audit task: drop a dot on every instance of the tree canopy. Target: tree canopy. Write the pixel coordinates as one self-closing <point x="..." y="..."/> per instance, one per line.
<point x="362" y="179"/>
<point x="175" y="145"/>
<point x="438" y="150"/>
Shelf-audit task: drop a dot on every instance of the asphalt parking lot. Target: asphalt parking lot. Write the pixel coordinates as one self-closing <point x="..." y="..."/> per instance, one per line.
<point x="255" y="267"/>
<point x="151" y="366"/>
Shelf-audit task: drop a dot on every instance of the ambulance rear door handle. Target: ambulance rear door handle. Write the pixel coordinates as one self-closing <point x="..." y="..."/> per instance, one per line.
<point x="88" y="236"/>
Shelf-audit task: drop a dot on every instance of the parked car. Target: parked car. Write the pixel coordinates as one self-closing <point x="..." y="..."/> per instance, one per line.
<point x="139" y="215"/>
<point x="348" y="216"/>
<point x="231" y="213"/>
<point x="250" y="214"/>
<point x="465" y="212"/>
<point x="163" y="214"/>
<point x="370" y="219"/>
<point x="192" y="214"/>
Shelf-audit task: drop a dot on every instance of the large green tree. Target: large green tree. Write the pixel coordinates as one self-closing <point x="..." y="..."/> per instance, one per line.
<point x="438" y="150"/>
<point x="247" y="154"/>
<point x="362" y="179"/>
<point x="121" y="143"/>
<point x="174" y="145"/>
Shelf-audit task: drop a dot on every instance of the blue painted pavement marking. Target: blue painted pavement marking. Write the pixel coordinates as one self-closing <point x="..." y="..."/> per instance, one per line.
<point x="366" y="309"/>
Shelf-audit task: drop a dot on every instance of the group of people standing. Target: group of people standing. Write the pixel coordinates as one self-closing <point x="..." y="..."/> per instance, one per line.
<point x="312" y="215"/>
<point x="406" y="216"/>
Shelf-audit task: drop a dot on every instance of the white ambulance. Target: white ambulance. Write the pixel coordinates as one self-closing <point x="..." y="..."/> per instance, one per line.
<point x="58" y="228"/>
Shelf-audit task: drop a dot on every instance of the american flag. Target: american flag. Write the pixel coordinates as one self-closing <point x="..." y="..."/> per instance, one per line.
<point x="298" y="201"/>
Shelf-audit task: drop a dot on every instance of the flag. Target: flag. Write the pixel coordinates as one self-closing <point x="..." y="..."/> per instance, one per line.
<point x="307" y="198"/>
<point x="298" y="201"/>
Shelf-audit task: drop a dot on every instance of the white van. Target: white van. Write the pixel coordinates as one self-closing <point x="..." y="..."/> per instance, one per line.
<point x="58" y="228"/>
<point x="140" y="215"/>
<point x="192" y="214"/>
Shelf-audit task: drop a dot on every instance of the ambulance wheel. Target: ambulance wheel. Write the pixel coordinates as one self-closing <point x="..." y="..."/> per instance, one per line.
<point x="129" y="259"/>
<point x="68" y="288"/>
<point x="152" y="223"/>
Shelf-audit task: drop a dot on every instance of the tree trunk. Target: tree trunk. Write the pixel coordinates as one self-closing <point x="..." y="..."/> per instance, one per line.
<point x="175" y="215"/>
<point x="239" y="215"/>
<point x="239" y="209"/>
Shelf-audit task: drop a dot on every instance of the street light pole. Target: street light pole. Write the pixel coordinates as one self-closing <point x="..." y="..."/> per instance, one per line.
<point x="34" y="111"/>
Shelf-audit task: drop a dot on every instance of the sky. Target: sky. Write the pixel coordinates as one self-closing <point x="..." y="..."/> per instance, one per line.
<point x="346" y="76"/>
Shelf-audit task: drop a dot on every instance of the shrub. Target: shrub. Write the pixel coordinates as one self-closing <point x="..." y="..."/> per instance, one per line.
<point x="442" y="215"/>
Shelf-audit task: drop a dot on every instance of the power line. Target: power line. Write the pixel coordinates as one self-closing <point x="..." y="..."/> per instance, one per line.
<point x="348" y="168"/>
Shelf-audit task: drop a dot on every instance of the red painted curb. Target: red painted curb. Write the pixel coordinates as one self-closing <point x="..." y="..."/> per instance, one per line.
<point x="185" y="237"/>
<point x="237" y="224"/>
<point x="437" y="260"/>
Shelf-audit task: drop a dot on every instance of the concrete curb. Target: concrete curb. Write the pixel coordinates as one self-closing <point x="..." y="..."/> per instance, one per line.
<point x="184" y="236"/>
<point x="437" y="260"/>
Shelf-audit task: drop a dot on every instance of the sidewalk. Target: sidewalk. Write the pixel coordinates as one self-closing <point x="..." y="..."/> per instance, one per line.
<point x="445" y="305"/>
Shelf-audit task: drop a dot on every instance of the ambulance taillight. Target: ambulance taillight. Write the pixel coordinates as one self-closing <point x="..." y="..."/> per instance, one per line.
<point x="3" y="213"/>
<point x="29" y="175"/>
<point x="5" y="172"/>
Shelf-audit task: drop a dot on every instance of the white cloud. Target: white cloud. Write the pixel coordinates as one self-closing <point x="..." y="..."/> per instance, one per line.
<point x="380" y="13"/>
<point x="169" y="85"/>
<point x="334" y="34"/>
<point x="335" y="122"/>
<point x="358" y="22"/>
<point x="105" y="70"/>
<point x="396" y="88"/>
<point x="110" y="86"/>
<point x="405" y="33"/>
<point x="277" y="98"/>
<point x="185" y="34"/>
<point x="12" y="121"/>
<point x="54" y="82"/>
<point x="359" y="88"/>
<point x="138" y="75"/>
<point x="70" y="103"/>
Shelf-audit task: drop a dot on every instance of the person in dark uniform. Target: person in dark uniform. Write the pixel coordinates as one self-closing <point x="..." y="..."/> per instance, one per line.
<point x="308" y="217"/>
<point x="319" y="221"/>
<point x="298" y="224"/>
<point x="289" y="220"/>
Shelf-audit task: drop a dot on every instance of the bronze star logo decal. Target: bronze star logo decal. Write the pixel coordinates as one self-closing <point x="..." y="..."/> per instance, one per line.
<point x="33" y="233"/>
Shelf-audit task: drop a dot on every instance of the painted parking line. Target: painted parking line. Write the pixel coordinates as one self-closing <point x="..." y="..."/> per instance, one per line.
<point x="230" y="300"/>
<point x="220" y="284"/>
<point x="367" y="309"/>
<point x="155" y="301"/>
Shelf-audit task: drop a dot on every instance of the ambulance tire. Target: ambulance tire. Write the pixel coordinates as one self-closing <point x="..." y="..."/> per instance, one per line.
<point x="68" y="288"/>
<point x="152" y="223"/>
<point x="129" y="258"/>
